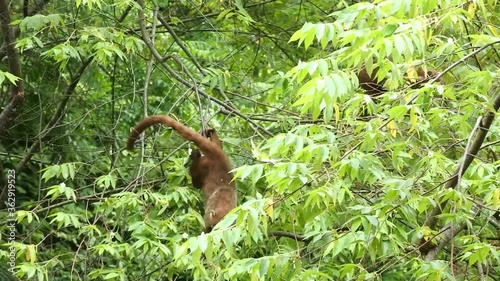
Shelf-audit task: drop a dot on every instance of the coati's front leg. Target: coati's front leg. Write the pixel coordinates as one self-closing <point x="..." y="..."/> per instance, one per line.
<point x="201" y="166"/>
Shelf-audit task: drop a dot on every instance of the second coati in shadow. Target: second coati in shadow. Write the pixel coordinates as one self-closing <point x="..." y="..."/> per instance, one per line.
<point x="210" y="171"/>
<point x="373" y="88"/>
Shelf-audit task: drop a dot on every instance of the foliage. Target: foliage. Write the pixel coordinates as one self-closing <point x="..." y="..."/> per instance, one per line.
<point x="362" y="182"/>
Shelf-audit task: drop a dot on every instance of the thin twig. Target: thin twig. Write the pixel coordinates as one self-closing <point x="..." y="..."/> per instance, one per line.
<point x="294" y="236"/>
<point x="181" y="44"/>
<point x="196" y="91"/>
<point x="467" y="147"/>
<point x="147" y="79"/>
<point x="438" y="77"/>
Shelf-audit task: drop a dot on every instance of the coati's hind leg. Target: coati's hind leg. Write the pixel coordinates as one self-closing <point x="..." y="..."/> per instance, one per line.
<point x="220" y="202"/>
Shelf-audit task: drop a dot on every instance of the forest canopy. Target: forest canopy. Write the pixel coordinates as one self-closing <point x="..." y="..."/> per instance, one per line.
<point x="363" y="136"/>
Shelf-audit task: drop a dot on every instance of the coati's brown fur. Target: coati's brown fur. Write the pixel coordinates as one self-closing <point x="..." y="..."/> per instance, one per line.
<point x="373" y="88"/>
<point x="209" y="171"/>
<point x="200" y="163"/>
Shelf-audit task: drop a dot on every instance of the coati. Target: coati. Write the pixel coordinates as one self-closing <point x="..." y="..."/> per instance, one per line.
<point x="373" y="88"/>
<point x="209" y="171"/>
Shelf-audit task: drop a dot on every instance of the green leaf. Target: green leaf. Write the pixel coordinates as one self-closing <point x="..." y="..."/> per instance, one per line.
<point x="398" y="112"/>
<point x="389" y="29"/>
<point x="337" y="246"/>
<point x="12" y="78"/>
<point x="299" y="34"/>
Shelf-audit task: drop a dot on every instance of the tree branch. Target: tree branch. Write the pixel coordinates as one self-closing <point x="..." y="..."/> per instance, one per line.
<point x="57" y="115"/>
<point x="12" y="109"/>
<point x="440" y="75"/>
<point x="448" y="234"/>
<point x="38" y="7"/>
<point x="294" y="236"/>
<point x="484" y="126"/>
<point x="145" y="37"/>
<point x="61" y="107"/>
<point x="181" y="44"/>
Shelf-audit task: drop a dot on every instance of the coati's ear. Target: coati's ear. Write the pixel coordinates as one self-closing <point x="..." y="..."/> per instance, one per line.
<point x="210" y="133"/>
<point x="207" y="132"/>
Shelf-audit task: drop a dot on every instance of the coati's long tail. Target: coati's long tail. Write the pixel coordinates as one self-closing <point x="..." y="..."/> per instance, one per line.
<point x="204" y="144"/>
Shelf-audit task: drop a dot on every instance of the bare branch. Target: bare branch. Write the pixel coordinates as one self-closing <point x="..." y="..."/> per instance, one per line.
<point x="443" y="239"/>
<point x="467" y="147"/>
<point x="440" y="75"/>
